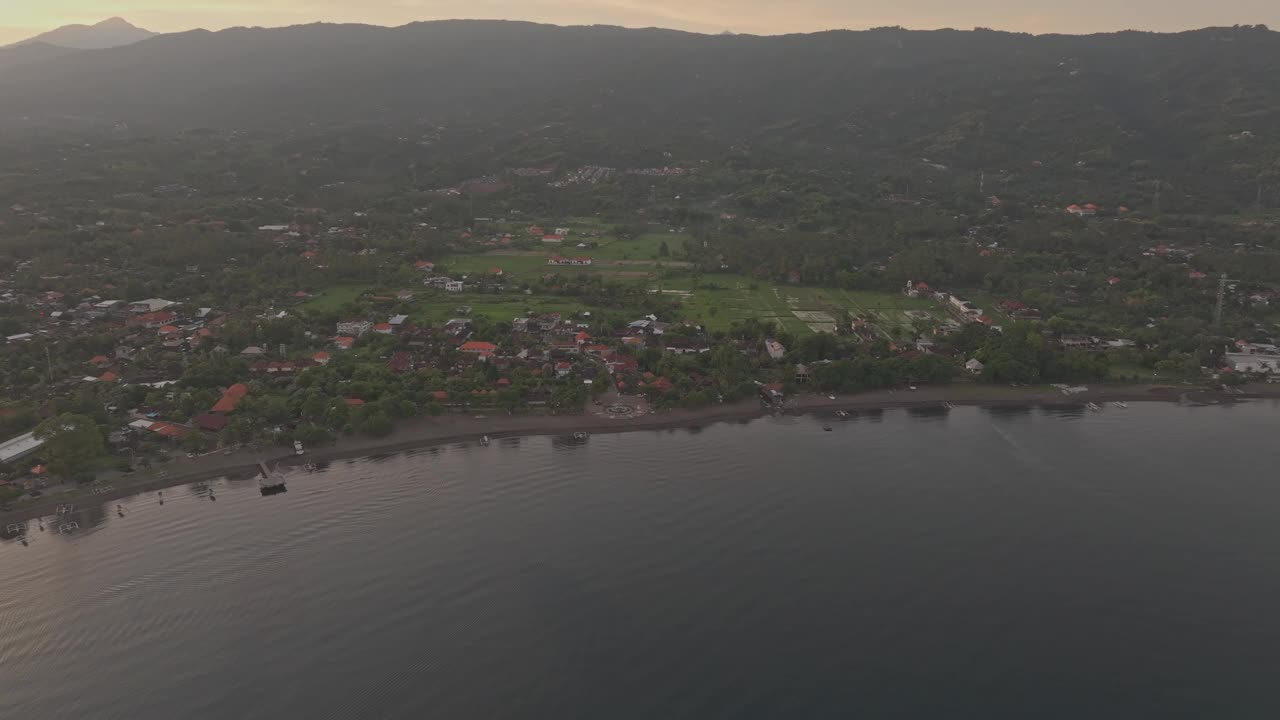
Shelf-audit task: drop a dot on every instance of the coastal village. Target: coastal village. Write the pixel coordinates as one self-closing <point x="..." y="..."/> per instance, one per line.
<point x="359" y="330"/>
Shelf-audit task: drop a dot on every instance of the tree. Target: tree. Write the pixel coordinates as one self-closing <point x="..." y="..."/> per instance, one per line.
<point x="663" y="250"/>
<point x="73" y="445"/>
<point x="195" y="442"/>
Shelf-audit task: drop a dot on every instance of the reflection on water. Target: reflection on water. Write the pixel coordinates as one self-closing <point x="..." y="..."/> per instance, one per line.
<point x="929" y="412"/>
<point x="1015" y="564"/>
<point x="1005" y="412"/>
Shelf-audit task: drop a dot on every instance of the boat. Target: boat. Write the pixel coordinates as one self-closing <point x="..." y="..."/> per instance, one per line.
<point x="1094" y="407"/>
<point x="842" y="413"/>
<point x="297" y="447"/>
<point x="580" y="436"/>
<point x="826" y="428"/>
<point x="485" y="441"/>
<point x="948" y="406"/>
<point x="270" y="482"/>
<point x="1120" y="404"/>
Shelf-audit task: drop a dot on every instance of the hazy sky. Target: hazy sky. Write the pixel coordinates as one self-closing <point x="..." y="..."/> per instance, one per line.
<point x="22" y="18"/>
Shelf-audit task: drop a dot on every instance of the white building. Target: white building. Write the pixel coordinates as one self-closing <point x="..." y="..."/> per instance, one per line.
<point x="150" y="305"/>
<point x="775" y="349"/>
<point x="354" y="328"/>
<point x="974" y="366"/>
<point x="1253" y="363"/>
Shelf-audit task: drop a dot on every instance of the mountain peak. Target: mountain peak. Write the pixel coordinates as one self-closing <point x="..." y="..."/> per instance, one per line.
<point x="112" y="32"/>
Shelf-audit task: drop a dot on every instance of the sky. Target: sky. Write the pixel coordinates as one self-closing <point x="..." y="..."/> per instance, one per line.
<point x="23" y="18"/>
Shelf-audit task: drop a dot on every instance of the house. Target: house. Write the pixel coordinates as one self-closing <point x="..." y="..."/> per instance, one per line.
<point x="425" y="265"/>
<point x="253" y="351"/>
<point x="563" y="369"/>
<point x="354" y="402"/>
<point x="210" y="422"/>
<point x="520" y="324"/>
<point x="230" y="398"/>
<point x="1113" y="280"/>
<point x="1252" y="363"/>
<point x="167" y="330"/>
<point x="453" y="286"/>
<point x="916" y="289"/>
<point x="477" y="347"/>
<point x="321" y="358"/>
<point x="384" y="328"/>
<point x="553" y="238"/>
<point x="154" y="320"/>
<point x="20" y="337"/>
<point x="397" y="321"/>
<point x="18" y="447"/>
<point x="1083" y="210"/>
<point x="686" y="346"/>
<point x="924" y="345"/>
<point x="564" y="261"/>
<point x="108" y="376"/>
<point x="775" y="349"/>
<point x="802" y="373"/>
<point x="400" y="362"/>
<point x="1078" y="342"/>
<point x="354" y="328"/>
<point x="99" y="361"/>
<point x="150" y="305"/>
<point x="1196" y="275"/>
<point x="974" y="366"/>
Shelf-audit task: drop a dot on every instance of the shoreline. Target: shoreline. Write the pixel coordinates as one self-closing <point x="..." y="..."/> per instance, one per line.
<point x="447" y="430"/>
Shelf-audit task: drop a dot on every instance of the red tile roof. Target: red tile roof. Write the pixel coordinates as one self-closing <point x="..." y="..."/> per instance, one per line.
<point x="477" y="346"/>
<point x="230" y="398"/>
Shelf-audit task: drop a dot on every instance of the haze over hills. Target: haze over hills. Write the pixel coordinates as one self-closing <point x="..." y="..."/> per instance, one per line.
<point x="884" y="99"/>
<point x="113" y="32"/>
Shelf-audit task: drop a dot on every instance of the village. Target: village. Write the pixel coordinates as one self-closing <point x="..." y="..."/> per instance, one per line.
<point x="355" y="329"/>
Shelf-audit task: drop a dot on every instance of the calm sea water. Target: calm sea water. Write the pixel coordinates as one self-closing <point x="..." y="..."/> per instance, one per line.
<point x="975" y="564"/>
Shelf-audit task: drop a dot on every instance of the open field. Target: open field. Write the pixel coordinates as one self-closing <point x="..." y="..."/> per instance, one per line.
<point x="335" y="296"/>
<point x="645" y="247"/>
<point x="437" y="309"/>
<point x="798" y="309"/>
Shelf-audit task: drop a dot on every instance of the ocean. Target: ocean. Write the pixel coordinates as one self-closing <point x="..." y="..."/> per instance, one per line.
<point x="972" y="563"/>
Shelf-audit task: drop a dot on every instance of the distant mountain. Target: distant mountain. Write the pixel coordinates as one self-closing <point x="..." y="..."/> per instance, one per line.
<point x="114" y="32"/>
<point x="31" y="52"/>
<point x="1198" y="108"/>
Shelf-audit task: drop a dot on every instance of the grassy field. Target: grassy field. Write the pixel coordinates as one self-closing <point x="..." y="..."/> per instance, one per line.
<point x="798" y="309"/>
<point x="644" y="247"/>
<point x="437" y="309"/>
<point x="335" y="296"/>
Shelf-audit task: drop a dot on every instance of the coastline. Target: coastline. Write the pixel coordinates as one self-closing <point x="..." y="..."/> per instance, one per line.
<point x="447" y="430"/>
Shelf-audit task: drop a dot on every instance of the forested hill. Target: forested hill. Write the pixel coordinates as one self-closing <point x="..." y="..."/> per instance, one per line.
<point x="1194" y="107"/>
